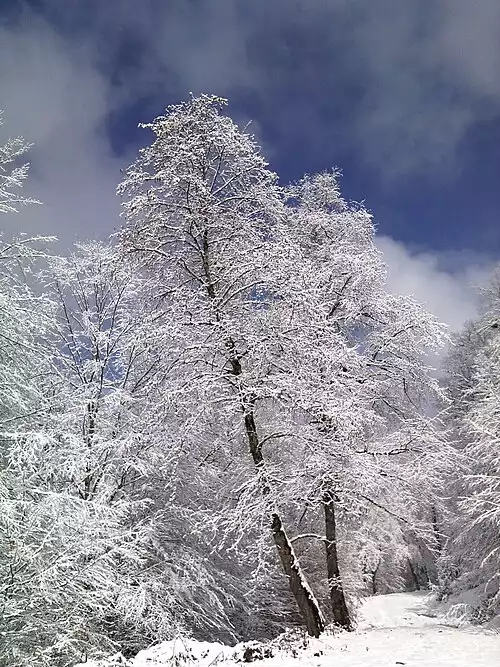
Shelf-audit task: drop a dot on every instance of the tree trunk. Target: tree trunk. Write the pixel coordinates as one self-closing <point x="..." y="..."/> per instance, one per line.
<point x="306" y="602"/>
<point x="339" y="607"/>
<point x="437" y="532"/>
<point x="374" y="579"/>
<point x="414" y="576"/>
<point x="303" y="595"/>
<point x="301" y="591"/>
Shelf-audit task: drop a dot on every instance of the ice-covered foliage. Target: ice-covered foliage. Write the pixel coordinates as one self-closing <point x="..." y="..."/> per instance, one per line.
<point x="280" y="330"/>
<point x="472" y="558"/>
<point x="13" y="173"/>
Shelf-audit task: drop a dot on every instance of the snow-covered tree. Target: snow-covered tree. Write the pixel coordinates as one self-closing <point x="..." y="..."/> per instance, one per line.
<point x="63" y="538"/>
<point x="24" y="372"/>
<point x="285" y="332"/>
<point x="481" y="507"/>
<point x="22" y="318"/>
<point x="90" y="508"/>
<point x="360" y="381"/>
<point x="472" y="556"/>
<point x="202" y="212"/>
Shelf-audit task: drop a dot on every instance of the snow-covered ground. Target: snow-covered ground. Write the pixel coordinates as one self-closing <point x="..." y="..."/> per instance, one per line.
<point x="398" y="629"/>
<point x="402" y="629"/>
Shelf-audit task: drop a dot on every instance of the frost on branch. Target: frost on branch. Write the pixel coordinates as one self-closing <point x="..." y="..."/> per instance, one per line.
<point x="13" y="174"/>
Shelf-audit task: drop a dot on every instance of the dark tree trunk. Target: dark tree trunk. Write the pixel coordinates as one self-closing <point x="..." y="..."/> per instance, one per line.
<point x="374" y="579"/>
<point x="306" y="602"/>
<point x="414" y="576"/>
<point x="303" y="595"/>
<point x="370" y="576"/>
<point x="337" y="597"/>
<point x="437" y="533"/>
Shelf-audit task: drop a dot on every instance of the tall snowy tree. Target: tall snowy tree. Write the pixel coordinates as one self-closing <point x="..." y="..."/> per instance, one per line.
<point x="283" y="323"/>
<point x="66" y="542"/>
<point x="361" y="383"/>
<point x="24" y="372"/>
<point x="202" y="209"/>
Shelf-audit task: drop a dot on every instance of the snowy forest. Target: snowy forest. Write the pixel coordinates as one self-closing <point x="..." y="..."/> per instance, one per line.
<point x="220" y="423"/>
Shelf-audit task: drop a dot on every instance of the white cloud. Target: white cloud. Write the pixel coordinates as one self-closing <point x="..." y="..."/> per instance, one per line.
<point x="426" y="71"/>
<point x="446" y="285"/>
<point x="55" y="98"/>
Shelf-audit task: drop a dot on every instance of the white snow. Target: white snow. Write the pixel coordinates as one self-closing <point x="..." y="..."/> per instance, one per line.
<point x="400" y="610"/>
<point x="399" y="629"/>
<point x="183" y="652"/>
<point x="404" y="628"/>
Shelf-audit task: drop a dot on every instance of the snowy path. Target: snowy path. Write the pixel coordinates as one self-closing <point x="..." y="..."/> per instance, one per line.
<point x="394" y="630"/>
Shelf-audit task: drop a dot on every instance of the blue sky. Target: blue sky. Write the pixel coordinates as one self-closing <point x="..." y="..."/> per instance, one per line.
<point x="403" y="96"/>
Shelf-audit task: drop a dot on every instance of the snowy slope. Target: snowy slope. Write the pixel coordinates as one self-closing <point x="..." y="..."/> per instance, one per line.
<point x="397" y="629"/>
